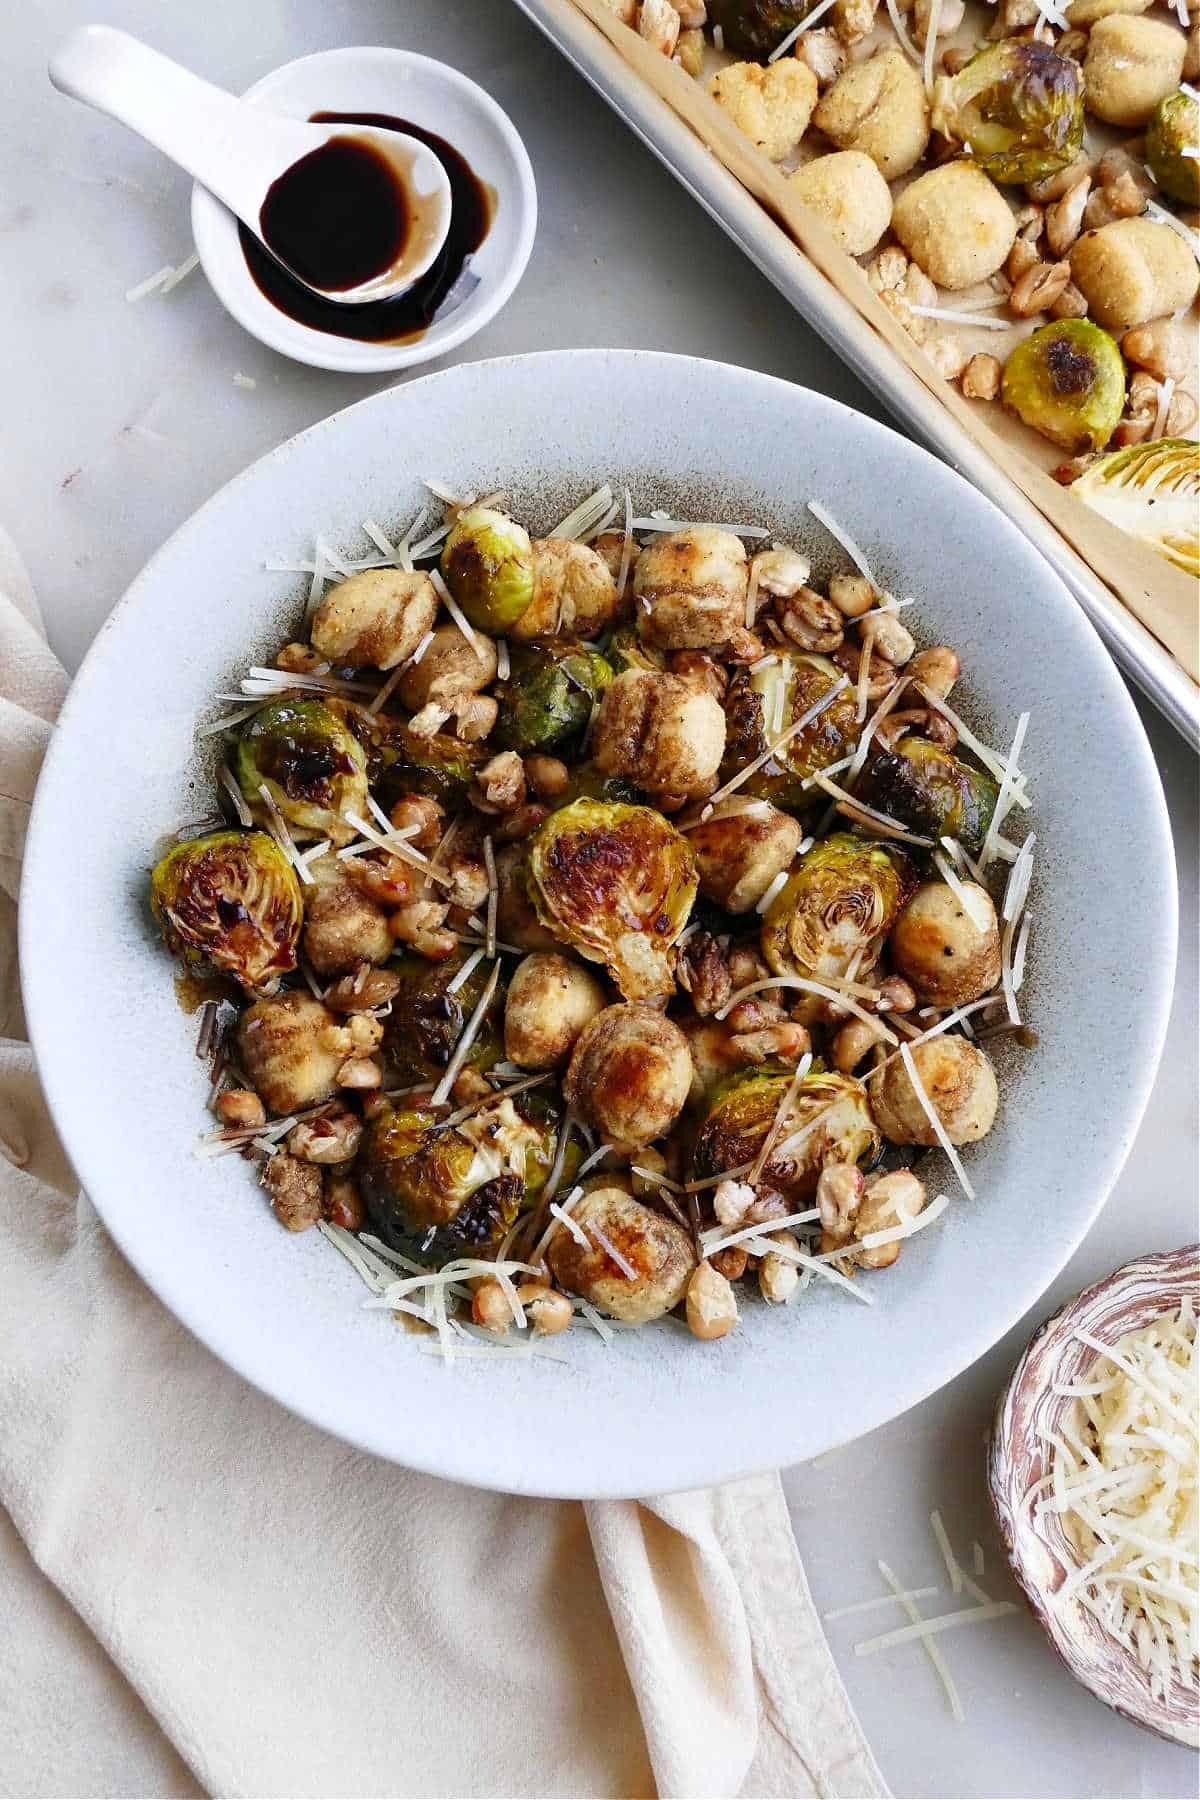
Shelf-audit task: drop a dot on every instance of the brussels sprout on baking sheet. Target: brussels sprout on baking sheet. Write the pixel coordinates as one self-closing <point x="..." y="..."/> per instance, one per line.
<point x="1018" y="105"/>
<point x="993" y="210"/>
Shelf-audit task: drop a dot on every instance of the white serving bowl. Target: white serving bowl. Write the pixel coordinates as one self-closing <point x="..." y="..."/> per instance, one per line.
<point x="658" y="1410"/>
<point x="364" y="79"/>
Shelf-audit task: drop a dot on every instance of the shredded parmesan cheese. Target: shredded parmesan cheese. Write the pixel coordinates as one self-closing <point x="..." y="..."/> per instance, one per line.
<point x="995" y="765"/>
<point x="1004" y="799"/>
<point x="894" y="1233"/>
<point x="907" y="1634"/>
<point x="659" y="522"/>
<point x="465" y="973"/>
<point x="461" y="1049"/>
<point x="808" y="987"/>
<point x="931" y="36"/>
<point x="1124" y="1482"/>
<point x="493" y="896"/>
<point x="752" y="600"/>
<point x="973" y="903"/>
<point x="773" y="1130"/>
<point x="861" y="1606"/>
<point x="777" y="882"/>
<point x="576" y="1231"/>
<point x="953" y="317"/>
<point x="627" y="548"/>
<point x="585" y="515"/>
<point x="818" y="511"/>
<point x="932" y="1651"/>
<point x="959" y="1579"/>
<point x="610" y="1250"/>
<point x="752" y="768"/>
<point x="930" y="1111"/>
<point x="861" y="810"/>
<point x="1163" y="408"/>
<point x="456" y="613"/>
<point x="157" y="280"/>
<point x="244" y="815"/>
<point x="806" y="24"/>
<point x="181" y="273"/>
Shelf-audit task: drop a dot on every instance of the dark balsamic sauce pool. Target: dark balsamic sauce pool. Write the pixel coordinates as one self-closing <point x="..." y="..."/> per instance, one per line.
<point x="355" y="248"/>
<point x="338" y="217"/>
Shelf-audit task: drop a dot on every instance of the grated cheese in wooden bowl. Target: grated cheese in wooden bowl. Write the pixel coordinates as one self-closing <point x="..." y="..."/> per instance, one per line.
<point x="1094" y="1467"/>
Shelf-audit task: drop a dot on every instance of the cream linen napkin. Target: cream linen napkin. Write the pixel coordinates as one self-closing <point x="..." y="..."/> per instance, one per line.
<point x="300" y="1618"/>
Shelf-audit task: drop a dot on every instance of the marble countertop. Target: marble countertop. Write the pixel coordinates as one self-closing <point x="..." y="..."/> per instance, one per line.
<point x="119" y="420"/>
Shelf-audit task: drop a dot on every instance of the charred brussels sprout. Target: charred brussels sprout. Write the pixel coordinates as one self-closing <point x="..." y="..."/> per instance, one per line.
<point x="760" y="705"/>
<point x="743" y="1110"/>
<point x="755" y="27"/>
<point x="311" y="764"/>
<point x="1172" y="137"/>
<point x="617" y="882"/>
<point x="839" y="903"/>
<point x="401" y="762"/>
<point x="627" y="651"/>
<point x="439" y="1194"/>
<point x="932" y="792"/>
<point x="1019" y="105"/>
<point x="230" y="901"/>
<point x="487" y="563"/>
<point x="427" y="1020"/>
<point x="549" y="695"/>
<point x="1067" y="380"/>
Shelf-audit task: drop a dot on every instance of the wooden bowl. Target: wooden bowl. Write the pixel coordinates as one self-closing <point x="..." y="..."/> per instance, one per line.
<point x="1041" y="1553"/>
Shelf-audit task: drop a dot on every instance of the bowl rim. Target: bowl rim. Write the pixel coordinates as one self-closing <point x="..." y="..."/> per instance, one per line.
<point x="214" y="237"/>
<point x="1167" y="1277"/>
<point x="43" y="994"/>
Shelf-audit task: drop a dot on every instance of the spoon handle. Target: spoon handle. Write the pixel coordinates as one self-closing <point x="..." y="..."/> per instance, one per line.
<point x="216" y="138"/>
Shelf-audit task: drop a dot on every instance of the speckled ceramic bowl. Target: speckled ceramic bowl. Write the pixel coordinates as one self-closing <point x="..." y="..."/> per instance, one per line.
<point x="657" y="1410"/>
<point x="1042" y="1556"/>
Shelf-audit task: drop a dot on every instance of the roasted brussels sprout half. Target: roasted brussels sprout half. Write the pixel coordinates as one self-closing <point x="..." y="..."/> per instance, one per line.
<point x="231" y="902"/>
<point x="930" y="791"/>
<point x="436" y="1194"/>
<point x="1172" y="138"/>
<point x="1152" y="491"/>
<point x="627" y="651"/>
<point x="311" y="764"/>
<point x="1019" y="105"/>
<point x="548" y="696"/>
<point x="743" y="1110"/>
<point x="1067" y="380"/>
<point x="761" y="704"/>
<point x="427" y="1020"/>
<point x="755" y="27"/>
<point x="617" y="882"/>
<point x="402" y="762"/>
<point x="487" y="564"/>
<point x="839" y="903"/>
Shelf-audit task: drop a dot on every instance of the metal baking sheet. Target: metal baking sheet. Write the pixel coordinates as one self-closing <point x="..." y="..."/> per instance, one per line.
<point x="1140" y="655"/>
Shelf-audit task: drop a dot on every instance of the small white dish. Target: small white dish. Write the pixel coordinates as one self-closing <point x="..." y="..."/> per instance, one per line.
<point x="373" y="79"/>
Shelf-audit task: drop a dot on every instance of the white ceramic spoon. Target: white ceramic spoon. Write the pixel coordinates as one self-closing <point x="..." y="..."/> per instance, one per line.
<point x="239" y="151"/>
